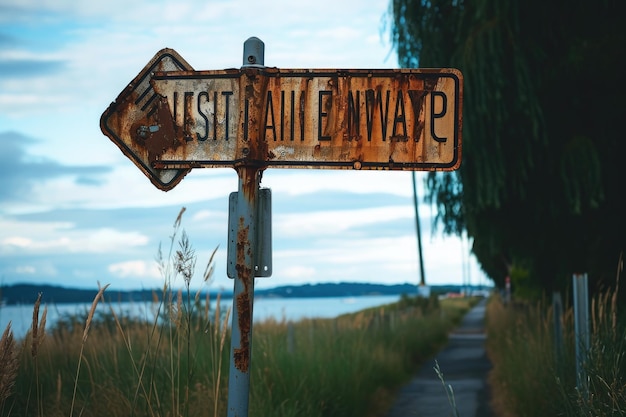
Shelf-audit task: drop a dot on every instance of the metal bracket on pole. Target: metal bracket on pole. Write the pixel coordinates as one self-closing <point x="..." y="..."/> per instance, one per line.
<point x="245" y="221"/>
<point x="263" y="263"/>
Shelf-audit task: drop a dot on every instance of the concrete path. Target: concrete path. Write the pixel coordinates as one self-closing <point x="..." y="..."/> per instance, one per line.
<point x="464" y="365"/>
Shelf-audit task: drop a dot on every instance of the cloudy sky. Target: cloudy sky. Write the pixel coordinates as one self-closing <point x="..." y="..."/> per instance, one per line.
<point x="75" y="211"/>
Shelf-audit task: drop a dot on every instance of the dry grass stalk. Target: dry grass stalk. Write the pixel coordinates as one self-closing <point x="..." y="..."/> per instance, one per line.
<point x="92" y="310"/>
<point x="179" y="218"/>
<point x="216" y="383"/>
<point x="9" y="363"/>
<point x="620" y="268"/>
<point x="35" y="327"/>
<point x="42" y="325"/>
<point x="59" y="389"/>
<point x="139" y="373"/>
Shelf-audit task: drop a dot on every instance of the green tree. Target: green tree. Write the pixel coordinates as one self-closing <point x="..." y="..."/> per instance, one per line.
<point x="542" y="181"/>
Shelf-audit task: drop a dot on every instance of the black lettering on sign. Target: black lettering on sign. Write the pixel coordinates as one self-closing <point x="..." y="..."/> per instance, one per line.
<point x="288" y="117"/>
<point x="204" y="116"/>
<point x="354" y="120"/>
<point x="215" y="115"/>
<point x="209" y="124"/>
<point x="370" y="103"/>
<point x="399" y="118"/>
<point x="269" y="113"/>
<point x="282" y="115"/>
<point x="226" y="95"/>
<point x="301" y="113"/>
<point x="324" y="107"/>
<point x="372" y="98"/>
<point x="188" y="121"/>
<point x="417" y="104"/>
<point x="437" y="115"/>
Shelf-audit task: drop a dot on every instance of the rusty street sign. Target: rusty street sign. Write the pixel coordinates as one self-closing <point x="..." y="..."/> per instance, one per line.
<point x="171" y="119"/>
<point x="361" y="119"/>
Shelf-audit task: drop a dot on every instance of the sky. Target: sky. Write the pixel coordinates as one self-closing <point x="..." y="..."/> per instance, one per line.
<point x="75" y="211"/>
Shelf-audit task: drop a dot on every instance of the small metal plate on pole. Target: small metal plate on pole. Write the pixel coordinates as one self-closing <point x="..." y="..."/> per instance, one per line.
<point x="263" y="254"/>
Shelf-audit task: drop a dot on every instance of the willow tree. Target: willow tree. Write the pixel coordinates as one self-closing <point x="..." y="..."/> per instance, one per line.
<point x="542" y="185"/>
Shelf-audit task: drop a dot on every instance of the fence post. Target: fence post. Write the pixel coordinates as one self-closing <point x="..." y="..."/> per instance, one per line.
<point x="557" y="312"/>
<point x="581" y="328"/>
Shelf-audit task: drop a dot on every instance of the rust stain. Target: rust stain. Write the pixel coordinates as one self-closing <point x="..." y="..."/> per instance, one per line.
<point x="131" y="120"/>
<point x="256" y="95"/>
<point x="155" y="133"/>
<point x="241" y="354"/>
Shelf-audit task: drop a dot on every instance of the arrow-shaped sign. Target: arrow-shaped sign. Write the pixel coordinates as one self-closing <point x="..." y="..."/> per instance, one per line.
<point x="171" y="119"/>
<point x="140" y="123"/>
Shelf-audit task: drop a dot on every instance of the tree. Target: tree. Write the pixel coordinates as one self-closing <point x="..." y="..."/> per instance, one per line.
<point x="541" y="185"/>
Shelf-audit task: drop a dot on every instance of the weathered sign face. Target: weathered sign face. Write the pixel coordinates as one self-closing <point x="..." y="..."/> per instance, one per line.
<point x="363" y="119"/>
<point x="171" y="120"/>
<point x="131" y="119"/>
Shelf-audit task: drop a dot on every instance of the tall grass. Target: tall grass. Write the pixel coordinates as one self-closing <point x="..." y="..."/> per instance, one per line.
<point x="109" y="364"/>
<point x="347" y="366"/>
<point x="531" y="377"/>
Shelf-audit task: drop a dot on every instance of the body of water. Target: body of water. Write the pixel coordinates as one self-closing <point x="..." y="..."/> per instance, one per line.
<point x="289" y="309"/>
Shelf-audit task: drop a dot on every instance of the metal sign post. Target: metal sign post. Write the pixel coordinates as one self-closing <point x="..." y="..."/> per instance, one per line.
<point x="170" y="119"/>
<point x="246" y="217"/>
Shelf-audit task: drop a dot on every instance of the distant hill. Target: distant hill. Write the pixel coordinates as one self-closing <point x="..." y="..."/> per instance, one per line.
<point x="343" y="289"/>
<point x="27" y="293"/>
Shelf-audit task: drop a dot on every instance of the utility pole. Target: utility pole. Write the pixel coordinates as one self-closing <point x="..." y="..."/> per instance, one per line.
<point x="423" y="290"/>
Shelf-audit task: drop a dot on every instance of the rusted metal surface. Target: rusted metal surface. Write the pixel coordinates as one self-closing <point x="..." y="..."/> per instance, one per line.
<point x="170" y="119"/>
<point x="244" y="283"/>
<point x="241" y="353"/>
<point x="140" y="122"/>
<point x="292" y="118"/>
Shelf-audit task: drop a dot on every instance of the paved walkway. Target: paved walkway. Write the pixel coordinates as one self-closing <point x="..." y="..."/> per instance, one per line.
<point x="464" y="365"/>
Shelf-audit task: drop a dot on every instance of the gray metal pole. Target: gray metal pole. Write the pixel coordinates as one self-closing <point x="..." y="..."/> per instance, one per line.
<point x="419" y="233"/>
<point x="581" y="329"/>
<point x="243" y="295"/>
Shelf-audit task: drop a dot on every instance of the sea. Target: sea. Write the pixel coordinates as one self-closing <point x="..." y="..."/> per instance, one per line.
<point x="265" y="308"/>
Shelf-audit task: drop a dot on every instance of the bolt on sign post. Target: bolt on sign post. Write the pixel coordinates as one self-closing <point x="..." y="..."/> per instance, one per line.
<point x="171" y="119"/>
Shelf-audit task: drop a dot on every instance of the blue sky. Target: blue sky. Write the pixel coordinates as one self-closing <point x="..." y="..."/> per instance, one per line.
<point x="75" y="211"/>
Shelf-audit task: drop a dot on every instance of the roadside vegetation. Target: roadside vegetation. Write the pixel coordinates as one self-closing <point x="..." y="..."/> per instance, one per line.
<point x="178" y="365"/>
<point x="105" y="364"/>
<point x="535" y="375"/>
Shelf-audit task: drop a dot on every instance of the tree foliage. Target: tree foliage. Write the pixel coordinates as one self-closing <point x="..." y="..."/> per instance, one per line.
<point x="541" y="185"/>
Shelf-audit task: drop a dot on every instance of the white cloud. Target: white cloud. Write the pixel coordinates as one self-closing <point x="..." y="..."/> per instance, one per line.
<point x="298" y="272"/>
<point x="298" y="182"/>
<point x="336" y="222"/>
<point x="25" y="269"/>
<point x="39" y="237"/>
<point x="135" y="269"/>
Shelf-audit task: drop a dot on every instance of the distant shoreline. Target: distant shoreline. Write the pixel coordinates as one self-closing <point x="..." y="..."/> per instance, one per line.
<point x="27" y="293"/>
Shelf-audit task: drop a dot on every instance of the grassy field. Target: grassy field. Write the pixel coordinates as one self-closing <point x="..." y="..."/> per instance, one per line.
<point x="177" y="365"/>
<point x="534" y="376"/>
<point x="105" y="365"/>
